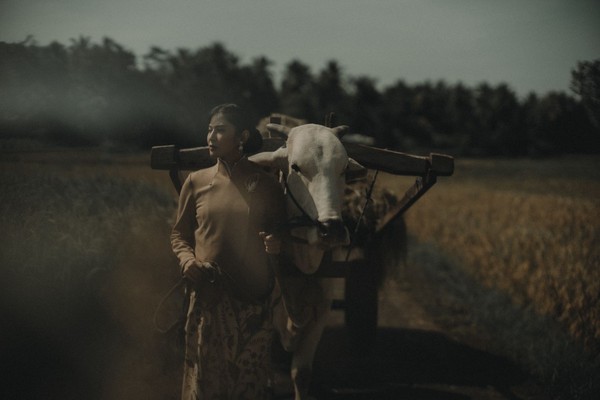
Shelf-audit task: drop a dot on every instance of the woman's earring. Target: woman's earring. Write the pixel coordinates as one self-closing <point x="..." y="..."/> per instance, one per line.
<point x="241" y="147"/>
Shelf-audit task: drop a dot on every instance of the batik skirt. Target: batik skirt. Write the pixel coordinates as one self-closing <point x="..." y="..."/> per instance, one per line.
<point x="228" y="349"/>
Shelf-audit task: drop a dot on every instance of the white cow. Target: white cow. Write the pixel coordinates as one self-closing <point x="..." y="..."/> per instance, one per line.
<point x="314" y="166"/>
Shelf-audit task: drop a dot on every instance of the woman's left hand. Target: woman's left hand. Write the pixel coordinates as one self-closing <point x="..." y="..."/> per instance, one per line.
<point x="272" y="242"/>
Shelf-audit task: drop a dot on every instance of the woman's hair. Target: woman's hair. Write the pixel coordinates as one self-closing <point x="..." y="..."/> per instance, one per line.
<point x="236" y="117"/>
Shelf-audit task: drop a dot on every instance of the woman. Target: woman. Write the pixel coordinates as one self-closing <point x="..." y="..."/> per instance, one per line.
<point x="222" y="242"/>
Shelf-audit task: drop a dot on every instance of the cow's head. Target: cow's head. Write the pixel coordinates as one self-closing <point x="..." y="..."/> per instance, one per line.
<point x="315" y="167"/>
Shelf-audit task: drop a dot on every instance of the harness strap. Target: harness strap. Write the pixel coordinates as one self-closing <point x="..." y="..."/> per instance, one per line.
<point x="362" y="213"/>
<point x="304" y="213"/>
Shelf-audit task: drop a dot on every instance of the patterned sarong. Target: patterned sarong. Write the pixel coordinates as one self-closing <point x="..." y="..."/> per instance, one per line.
<point x="228" y="350"/>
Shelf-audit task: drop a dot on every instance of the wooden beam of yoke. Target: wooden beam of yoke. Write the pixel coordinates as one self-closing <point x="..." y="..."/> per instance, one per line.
<point x="425" y="168"/>
<point x="393" y="162"/>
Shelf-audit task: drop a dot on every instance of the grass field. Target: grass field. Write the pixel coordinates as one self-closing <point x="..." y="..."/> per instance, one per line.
<point x="520" y="242"/>
<point x="86" y="259"/>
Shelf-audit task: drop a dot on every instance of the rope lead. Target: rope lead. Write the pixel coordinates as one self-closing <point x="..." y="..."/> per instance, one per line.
<point x="362" y="213"/>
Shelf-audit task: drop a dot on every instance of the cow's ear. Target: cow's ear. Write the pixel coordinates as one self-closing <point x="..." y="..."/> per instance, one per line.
<point x="355" y="172"/>
<point x="277" y="159"/>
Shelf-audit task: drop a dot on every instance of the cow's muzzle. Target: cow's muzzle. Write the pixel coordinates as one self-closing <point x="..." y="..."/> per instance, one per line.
<point x="333" y="233"/>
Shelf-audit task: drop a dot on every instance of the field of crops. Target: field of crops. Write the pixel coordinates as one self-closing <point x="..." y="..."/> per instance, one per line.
<point x="527" y="232"/>
<point x="85" y="257"/>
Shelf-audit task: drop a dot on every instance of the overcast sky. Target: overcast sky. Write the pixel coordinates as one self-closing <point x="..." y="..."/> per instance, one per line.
<point x="530" y="44"/>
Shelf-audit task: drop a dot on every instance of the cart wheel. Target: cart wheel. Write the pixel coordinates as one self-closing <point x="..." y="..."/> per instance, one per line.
<point x="361" y="305"/>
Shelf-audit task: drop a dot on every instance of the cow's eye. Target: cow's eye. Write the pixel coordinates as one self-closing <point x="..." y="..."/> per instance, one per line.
<point x="296" y="168"/>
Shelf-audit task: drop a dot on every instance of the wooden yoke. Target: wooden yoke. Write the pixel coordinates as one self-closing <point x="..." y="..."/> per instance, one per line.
<point x="171" y="157"/>
<point x="426" y="168"/>
<point x="175" y="160"/>
<point x="438" y="164"/>
<point x="399" y="164"/>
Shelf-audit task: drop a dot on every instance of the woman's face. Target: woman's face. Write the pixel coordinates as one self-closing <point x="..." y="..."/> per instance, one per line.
<point x="223" y="142"/>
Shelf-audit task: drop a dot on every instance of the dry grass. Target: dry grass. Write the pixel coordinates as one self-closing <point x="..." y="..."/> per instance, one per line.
<point x="512" y="235"/>
<point x="528" y="231"/>
<point x="85" y="259"/>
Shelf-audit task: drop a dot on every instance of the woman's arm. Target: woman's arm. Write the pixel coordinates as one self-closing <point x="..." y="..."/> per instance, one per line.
<point x="182" y="234"/>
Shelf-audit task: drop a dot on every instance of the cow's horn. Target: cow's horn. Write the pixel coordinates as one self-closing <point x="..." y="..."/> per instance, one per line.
<point x="280" y="130"/>
<point x="340" y="131"/>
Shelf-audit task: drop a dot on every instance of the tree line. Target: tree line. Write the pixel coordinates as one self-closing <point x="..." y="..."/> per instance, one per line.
<point x="88" y="93"/>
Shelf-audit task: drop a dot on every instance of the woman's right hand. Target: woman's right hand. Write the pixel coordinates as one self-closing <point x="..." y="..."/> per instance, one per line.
<point x="204" y="280"/>
<point x="198" y="271"/>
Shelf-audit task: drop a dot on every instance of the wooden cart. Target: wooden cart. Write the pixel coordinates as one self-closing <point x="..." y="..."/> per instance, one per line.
<point x="361" y="282"/>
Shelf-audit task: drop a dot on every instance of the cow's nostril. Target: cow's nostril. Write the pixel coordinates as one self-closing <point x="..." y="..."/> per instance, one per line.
<point x="332" y="229"/>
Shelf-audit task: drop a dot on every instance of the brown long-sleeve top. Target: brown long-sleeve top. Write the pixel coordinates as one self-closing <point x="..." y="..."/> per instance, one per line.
<point x="221" y="211"/>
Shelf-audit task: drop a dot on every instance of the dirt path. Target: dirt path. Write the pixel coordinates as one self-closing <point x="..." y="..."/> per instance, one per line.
<point x="415" y="355"/>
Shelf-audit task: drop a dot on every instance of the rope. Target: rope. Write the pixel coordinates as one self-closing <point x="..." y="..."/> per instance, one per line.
<point x="304" y="213"/>
<point x="362" y="213"/>
<point x="173" y="289"/>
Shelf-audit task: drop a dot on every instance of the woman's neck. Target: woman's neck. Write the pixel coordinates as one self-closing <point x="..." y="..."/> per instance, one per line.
<point x="230" y="163"/>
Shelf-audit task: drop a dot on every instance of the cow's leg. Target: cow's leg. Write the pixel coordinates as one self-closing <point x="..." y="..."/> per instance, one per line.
<point x="302" y="360"/>
<point x="280" y="323"/>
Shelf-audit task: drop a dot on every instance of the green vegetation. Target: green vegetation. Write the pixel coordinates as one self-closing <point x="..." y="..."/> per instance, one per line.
<point x="89" y="93"/>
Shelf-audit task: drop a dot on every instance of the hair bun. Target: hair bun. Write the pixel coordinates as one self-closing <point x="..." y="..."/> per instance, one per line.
<point x="254" y="142"/>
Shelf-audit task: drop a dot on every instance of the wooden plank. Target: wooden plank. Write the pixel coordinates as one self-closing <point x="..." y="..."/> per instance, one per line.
<point x="389" y="161"/>
<point x="195" y="158"/>
<point x="414" y="193"/>
<point x="441" y="164"/>
<point x="164" y="157"/>
<point x="272" y="144"/>
<point x="394" y="162"/>
<point x="176" y="179"/>
<point x="168" y="157"/>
